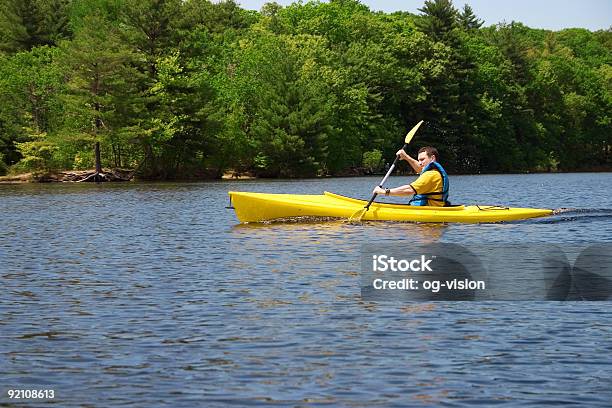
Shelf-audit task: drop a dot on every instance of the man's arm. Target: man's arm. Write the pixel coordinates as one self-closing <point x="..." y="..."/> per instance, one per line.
<point x="413" y="163"/>
<point x="397" y="191"/>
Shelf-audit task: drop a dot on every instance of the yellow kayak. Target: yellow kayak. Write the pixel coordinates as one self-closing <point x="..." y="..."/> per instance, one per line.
<point x="256" y="207"/>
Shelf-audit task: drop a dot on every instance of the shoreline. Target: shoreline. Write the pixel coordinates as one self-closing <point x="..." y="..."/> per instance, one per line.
<point x="68" y="176"/>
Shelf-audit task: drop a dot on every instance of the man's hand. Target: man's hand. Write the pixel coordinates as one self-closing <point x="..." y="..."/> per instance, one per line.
<point x="413" y="163"/>
<point x="378" y="190"/>
<point x="402" y="155"/>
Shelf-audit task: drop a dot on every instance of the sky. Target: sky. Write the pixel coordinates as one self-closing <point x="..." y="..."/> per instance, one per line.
<point x="548" y="14"/>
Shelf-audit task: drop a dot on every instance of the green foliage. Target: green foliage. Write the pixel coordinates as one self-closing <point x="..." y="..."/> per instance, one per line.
<point x="439" y="20"/>
<point x="287" y="113"/>
<point x="193" y="88"/>
<point x="373" y="160"/>
<point x="25" y="24"/>
<point x="3" y="166"/>
<point x="37" y="154"/>
<point x="468" y="20"/>
<point x="30" y="85"/>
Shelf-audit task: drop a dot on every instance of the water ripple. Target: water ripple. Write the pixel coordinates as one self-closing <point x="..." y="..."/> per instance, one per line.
<point x="155" y="296"/>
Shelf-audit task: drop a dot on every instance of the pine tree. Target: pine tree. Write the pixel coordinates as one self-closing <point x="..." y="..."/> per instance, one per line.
<point x="20" y="25"/>
<point x="150" y="29"/>
<point x="100" y="82"/>
<point x="468" y="20"/>
<point x="439" y="21"/>
<point x="25" y="24"/>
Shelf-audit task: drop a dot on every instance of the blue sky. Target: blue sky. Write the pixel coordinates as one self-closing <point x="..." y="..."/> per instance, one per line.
<point x="548" y="14"/>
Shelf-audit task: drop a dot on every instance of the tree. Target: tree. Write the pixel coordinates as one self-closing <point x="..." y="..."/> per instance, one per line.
<point x="468" y="20"/>
<point x="101" y="81"/>
<point x="30" y="107"/>
<point x="439" y="21"/>
<point x="289" y="111"/>
<point x="25" y="24"/>
<point x="179" y="88"/>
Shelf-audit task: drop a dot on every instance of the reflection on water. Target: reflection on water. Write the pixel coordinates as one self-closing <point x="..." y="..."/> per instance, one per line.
<point x="152" y="294"/>
<point x="419" y="232"/>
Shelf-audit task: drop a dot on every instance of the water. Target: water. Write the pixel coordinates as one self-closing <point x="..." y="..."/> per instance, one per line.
<point x="151" y="294"/>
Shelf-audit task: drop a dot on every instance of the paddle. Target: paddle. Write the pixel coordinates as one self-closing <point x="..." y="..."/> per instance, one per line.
<point x="365" y="209"/>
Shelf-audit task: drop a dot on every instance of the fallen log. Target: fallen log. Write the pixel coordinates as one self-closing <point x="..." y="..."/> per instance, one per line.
<point x="106" y="175"/>
<point x="80" y="176"/>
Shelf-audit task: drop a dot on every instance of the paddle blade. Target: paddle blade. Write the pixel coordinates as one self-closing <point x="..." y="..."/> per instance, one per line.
<point x="410" y="134"/>
<point x="358" y="215"/>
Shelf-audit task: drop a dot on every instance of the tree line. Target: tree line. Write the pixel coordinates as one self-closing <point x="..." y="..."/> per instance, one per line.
<point x="193" y="88"/>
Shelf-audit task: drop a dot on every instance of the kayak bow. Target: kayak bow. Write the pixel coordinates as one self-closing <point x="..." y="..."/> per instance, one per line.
<point x="256" y="207"/>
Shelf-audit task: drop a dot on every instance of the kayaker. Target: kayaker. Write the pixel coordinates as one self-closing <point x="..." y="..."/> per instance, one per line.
<point x="431" y="188"/>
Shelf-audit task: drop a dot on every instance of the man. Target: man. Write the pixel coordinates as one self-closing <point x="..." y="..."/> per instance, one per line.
<point x="431" y="188"/>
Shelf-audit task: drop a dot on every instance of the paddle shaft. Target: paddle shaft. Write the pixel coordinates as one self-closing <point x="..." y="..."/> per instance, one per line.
<point x="384" y="180"/>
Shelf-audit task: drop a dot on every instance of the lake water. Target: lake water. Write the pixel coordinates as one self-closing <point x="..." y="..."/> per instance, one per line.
<point x="152" y="294"/>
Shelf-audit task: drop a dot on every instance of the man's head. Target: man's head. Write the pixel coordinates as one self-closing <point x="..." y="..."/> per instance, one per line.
<point x="427" y="154"/>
